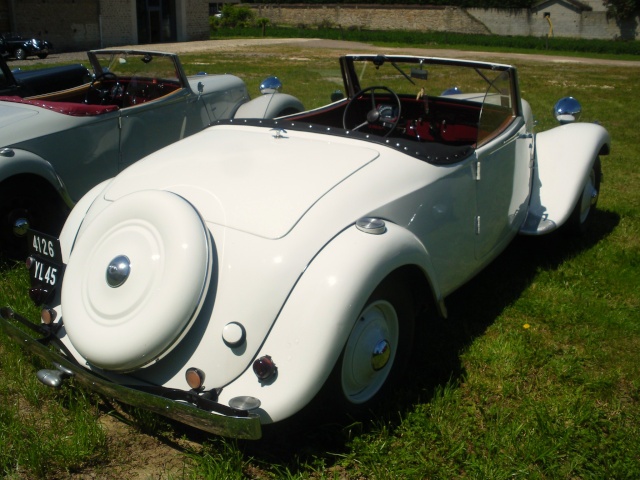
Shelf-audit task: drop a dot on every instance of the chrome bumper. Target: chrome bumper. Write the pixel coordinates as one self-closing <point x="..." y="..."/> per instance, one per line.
<point x="225" y="421"/>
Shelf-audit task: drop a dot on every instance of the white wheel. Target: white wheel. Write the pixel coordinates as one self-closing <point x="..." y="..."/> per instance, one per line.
<point x="585" y="206"/>
<point x="377" y="348"/>
<point x="370" y="352"/>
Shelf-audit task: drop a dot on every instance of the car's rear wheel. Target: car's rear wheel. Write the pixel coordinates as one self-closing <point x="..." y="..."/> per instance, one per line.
<point x="20" y="54"/>
<point x="27" y="203"/>
<point x="582" y="214"/>
<point x="378" y="346"/>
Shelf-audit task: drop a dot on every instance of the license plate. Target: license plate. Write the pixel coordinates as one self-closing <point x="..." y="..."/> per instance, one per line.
<point x="46" y="267"/>
<point x="44" y="246"/>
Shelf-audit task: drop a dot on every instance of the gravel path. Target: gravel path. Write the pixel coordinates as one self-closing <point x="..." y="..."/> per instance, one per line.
<point x="352" y="47"/>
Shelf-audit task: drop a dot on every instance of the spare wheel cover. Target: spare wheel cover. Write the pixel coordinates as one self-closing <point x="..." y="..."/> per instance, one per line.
<point x="146" y="310"/>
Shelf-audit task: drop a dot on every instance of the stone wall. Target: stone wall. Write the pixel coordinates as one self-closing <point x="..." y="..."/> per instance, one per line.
<point x="374" y="17"/>
<point x="118" y="23"/>
<point x="196" y="22"/>
<point x="566" y="19"/>
<point x="65" y="23"/>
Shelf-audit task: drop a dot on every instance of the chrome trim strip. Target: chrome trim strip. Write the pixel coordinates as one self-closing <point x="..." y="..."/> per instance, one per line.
<point x="230" y="426"/>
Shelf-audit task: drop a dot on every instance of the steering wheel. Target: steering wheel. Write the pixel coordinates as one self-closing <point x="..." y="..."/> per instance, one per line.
<point x="104" y="95"/>
<point x="375" y="116"/>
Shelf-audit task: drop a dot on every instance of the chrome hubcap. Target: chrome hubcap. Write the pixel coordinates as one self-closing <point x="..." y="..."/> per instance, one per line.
<point x="380" y="355"/>
<point x="118" y="271"/>
<point x="20" y="227"/>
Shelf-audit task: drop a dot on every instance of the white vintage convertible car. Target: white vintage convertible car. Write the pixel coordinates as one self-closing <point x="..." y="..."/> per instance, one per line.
<point x="227" y="280"/>
<point x="55" y="146"/>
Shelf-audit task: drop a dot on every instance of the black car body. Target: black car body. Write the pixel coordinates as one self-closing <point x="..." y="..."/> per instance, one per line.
<point x="13" y="45"/>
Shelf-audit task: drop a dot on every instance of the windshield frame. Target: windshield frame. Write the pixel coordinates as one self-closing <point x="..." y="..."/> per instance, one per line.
<point x="409" y="67"/>
<point x="170" y="58"/>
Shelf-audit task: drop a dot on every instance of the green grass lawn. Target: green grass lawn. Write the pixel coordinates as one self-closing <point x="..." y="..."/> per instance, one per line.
<point x="535" y="374"/>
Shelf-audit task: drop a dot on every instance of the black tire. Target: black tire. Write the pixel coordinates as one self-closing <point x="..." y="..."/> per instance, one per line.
<point x="43" y="55"/>
<point x="385" y="326"/>
<point x="33" y="201"/>
<point x="582" y="215"/>
<point x="20" y="54"/>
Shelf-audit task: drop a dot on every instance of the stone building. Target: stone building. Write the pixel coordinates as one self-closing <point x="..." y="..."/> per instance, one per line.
<point x="85" y="24"/>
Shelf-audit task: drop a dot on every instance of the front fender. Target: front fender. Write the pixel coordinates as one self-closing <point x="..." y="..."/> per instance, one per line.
<point x="19" y="162"/>
<point x="564" y="158"/>
<point x="270" y="106"/>
<point x="313" y="325"/>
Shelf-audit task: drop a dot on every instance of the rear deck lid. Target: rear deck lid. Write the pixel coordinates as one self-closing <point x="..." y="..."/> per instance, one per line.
<point x="256" y="180"/>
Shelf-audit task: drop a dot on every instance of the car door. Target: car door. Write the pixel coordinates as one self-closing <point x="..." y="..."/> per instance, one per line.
<point x="84" y="153"/>
<point x="503" y="168"/>
<point x="147" y="127"/>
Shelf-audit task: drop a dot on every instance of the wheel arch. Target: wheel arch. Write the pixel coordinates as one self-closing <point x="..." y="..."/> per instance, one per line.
<point x="24" y="166"/>
<point x="317" y="317"/>
<point x="270" y="106"/>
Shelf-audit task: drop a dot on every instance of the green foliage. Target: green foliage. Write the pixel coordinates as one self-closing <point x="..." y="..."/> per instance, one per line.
<point x="623" y="9"/>
<point x="445" y="39"/>
<point x="234" y="16"/>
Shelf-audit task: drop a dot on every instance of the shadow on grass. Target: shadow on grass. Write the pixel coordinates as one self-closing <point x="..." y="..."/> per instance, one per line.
<point x="436" y="359"/>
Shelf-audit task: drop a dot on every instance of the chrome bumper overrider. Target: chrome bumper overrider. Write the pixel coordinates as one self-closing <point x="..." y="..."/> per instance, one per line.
<point x="220" y="419"/>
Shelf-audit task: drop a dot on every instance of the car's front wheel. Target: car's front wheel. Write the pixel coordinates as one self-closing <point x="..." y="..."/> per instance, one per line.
<point x="585" y="207"/>
<point x="378" y="346"/>
<point x="42" y="56"/>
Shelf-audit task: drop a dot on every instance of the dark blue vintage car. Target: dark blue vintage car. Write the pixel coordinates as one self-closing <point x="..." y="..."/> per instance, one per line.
<point x="13" y="45"/>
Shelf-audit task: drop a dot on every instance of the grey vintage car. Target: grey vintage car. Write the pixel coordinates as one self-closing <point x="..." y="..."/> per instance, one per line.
<point x="55" y="147"/>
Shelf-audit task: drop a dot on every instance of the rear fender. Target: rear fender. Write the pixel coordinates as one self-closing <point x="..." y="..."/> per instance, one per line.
<point x="311" y="329"/>
<point x="563" y="160"/>
<point x="271" y="105"/>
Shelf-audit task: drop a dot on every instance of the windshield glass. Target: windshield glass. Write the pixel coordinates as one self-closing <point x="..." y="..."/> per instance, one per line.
<point x="139" y="65"/>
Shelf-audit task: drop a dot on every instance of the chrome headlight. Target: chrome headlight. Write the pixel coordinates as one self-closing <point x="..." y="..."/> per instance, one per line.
<point x="567" y="110"/>
<point x="270" y="85"/>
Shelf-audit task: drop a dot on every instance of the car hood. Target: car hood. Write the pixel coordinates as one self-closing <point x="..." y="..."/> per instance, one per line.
<point x="255" y="180"/>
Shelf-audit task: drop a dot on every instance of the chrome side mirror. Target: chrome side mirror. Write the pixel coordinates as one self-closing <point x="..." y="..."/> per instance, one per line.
<point x="567" y="110"/>
<point x="270" y="85"/>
